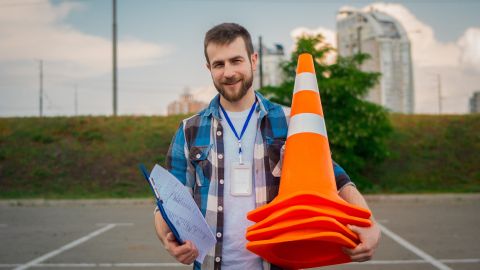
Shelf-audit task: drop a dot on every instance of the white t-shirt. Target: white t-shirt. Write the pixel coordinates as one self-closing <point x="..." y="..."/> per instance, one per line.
<point x="234" y="254"/>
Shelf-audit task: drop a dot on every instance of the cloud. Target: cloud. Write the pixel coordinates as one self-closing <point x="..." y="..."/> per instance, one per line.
<point x="329" y="35"/>
<point x="68" y="51"/>
<point x="469" y="45"/>
<point x="37" y="30"/>
<point x="426" y="50"/>
<point x="457" y="62"/>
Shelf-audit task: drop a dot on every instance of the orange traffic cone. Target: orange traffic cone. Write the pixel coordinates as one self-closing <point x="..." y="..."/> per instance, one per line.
<point x="304" y="226"/>
<point x="314" y="223"/>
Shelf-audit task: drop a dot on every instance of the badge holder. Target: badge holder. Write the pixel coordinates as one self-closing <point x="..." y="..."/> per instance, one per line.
<point x="241" y="184"/>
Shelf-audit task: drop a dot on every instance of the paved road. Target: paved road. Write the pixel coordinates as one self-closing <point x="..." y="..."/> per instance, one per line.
<point x="418" y="233"/>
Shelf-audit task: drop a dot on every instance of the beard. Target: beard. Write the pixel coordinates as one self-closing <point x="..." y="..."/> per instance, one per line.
<point x="235" y="94"/>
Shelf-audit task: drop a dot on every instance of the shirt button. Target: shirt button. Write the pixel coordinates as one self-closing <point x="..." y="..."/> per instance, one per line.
<point x="221" y="181"/>
<point x="217" y="259"/>
<point x="198" y="156"/>
<point x="220" y="208"/>
<point x="219" y="133"/>
<point x="219" y="234"/>
<point x="220" y="156"/>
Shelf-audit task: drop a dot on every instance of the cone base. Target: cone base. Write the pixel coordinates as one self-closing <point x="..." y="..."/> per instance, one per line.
<point x="311" y="198"/>
<point x="303" y="251"/>
<point x="317" y="224"/>
<point x="299" y="212"/>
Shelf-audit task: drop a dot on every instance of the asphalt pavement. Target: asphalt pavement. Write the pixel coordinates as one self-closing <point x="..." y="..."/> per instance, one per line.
<point x="419" y="232"/>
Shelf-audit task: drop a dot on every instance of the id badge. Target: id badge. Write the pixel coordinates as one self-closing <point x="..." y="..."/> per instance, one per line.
<point x="241" y="176"/>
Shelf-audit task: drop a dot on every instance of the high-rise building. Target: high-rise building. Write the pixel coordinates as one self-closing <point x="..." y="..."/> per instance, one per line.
<point x="385" y="40"/>
<point x="475" y="102"/>
<point x="272" y="72"/>
<point x="186" y="104"/>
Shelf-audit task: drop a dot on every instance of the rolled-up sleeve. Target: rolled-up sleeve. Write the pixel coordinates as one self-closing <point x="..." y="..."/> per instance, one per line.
<point x="341" y="177"/>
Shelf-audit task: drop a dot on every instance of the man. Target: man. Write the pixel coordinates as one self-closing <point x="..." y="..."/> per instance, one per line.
<point x="240" y="129"/>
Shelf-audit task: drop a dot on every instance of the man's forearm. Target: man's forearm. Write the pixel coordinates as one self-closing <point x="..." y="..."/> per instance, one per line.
<point x="351" y="194"/>
<point x="161" y="227"/>
<point x="369" y="236"/>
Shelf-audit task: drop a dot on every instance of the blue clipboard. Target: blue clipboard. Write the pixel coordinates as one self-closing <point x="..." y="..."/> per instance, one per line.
<point x="160" y="205"/>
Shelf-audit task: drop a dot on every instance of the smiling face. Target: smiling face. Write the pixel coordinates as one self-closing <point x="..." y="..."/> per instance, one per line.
<point x="231" y="68"/>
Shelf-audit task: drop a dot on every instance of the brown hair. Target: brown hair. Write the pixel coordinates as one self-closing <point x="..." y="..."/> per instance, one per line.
<point x="226" y="33"/>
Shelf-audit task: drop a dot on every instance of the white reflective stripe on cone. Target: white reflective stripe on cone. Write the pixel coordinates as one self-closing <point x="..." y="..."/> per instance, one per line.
<point x="305" y="81"/>
<point x="307" y="122"/>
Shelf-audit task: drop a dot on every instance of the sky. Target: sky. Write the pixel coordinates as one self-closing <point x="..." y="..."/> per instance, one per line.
<point x="160" y="49"/>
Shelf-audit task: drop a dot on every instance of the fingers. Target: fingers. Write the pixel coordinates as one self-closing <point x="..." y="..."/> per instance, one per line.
<point x="170" y="241"/>
<point x="369" y="238"/>
<point x="363" y="257"/>
<point x="189" y="256"/>
<point x="354" y="228"/>
<point x="360" y="253"/>
<point x="360" y="248"/>
<point x="171" y="237"/>
<point x="186" y="253"/>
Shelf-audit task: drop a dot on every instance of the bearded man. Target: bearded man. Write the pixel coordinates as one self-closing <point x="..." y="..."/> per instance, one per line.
<point x="240" y="130"/>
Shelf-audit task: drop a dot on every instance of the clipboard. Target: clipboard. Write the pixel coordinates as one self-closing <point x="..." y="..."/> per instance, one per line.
<point x="160" y="204"/>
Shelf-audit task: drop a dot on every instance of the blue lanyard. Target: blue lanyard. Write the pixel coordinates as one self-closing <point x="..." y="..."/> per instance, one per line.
<point x="243" y="129"/>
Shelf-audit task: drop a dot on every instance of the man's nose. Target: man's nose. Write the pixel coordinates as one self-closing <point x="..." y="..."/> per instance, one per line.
<point x="229" y="71"/>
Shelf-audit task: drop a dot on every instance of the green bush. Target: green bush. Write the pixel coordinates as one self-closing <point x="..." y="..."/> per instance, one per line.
<point x="357" y="130"/>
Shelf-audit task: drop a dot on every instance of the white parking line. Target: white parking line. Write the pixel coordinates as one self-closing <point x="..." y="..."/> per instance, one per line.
<point x="393" y="262"/>
<point x="64" y="248"/>
<point x="461" y="261"/>
<point x="420" y="253"/>
<point x="118" y="224"/>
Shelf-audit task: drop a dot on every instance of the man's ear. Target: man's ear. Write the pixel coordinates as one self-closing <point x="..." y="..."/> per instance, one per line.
<point x="254" y="60"/>
<point x="208" y="66"/>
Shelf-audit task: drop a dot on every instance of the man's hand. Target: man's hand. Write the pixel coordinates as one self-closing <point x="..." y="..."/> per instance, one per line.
<point x="369" y="238"/>
<point x="186" y="253"/>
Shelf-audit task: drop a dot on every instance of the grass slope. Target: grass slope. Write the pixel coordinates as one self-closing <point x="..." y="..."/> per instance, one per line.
<point x="430" y="153"/>
<point x="83" y="157"/>
<point x="96" y="157"/>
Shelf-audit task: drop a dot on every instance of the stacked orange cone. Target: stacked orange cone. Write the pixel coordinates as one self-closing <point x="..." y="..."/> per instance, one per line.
<point x="305" y="225"/>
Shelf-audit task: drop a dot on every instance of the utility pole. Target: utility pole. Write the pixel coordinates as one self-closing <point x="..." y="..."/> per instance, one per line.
<point x="439" y="94"/>
<point x="75" y="101"/>
<point x="359" y="39"/>
<point x="114" y="56"/>
<point x="260" y="56"/>
<point x="41" y="88"/>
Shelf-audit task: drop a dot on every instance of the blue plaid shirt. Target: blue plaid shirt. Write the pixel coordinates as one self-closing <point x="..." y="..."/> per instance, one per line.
<point x="195" y="157"/>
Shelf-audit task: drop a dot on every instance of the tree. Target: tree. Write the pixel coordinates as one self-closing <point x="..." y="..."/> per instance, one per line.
<point x="357" y="129"/>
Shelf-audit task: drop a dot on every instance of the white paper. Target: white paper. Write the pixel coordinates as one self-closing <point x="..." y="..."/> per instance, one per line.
<point x="182" y="211"/>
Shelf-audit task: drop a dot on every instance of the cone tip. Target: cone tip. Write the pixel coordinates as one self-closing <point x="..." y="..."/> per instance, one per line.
<point x="305" y="63"/>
